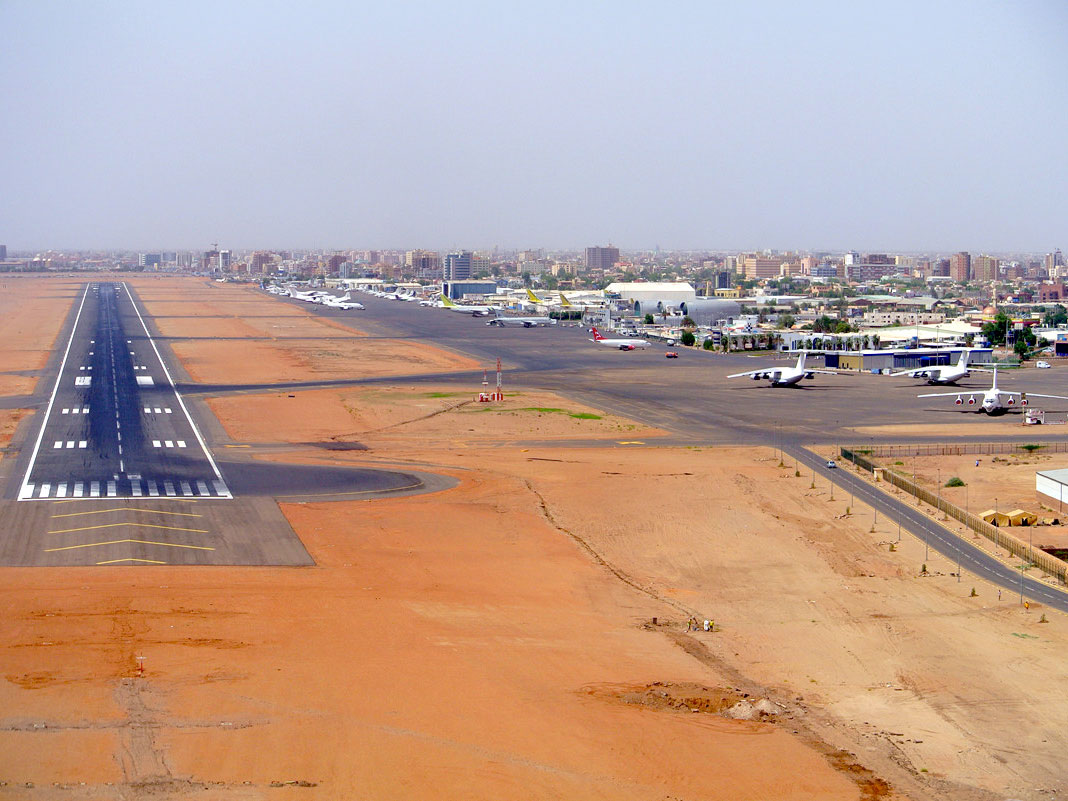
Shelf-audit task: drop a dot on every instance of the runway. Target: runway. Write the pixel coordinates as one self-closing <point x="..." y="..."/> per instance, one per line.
<point x="115" y="425"/>
<point x="118" y="469"/>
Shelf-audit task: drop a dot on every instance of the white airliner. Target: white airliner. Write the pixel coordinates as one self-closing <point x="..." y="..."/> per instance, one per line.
<point x="944" y="374"/>
<point x="994" y="400"/>
<point x="525" y="322"/>
<point x="345" y="302"/>
<point x="474" y="311"/>
<point x="623" y="344"/>
<point x="784" y="376"/>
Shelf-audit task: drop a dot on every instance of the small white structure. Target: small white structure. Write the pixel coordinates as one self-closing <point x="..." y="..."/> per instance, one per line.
<point x="1051" y="487"/>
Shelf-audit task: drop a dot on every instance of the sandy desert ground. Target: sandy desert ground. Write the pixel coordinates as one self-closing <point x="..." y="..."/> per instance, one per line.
<point x="498" y="640"/>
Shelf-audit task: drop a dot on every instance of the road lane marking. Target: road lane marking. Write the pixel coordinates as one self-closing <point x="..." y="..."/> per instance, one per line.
<point x="129" y="523"/>
<point x="126" y="509"/>
<point x="131" y="559"/>
<point x="119" y="542"/>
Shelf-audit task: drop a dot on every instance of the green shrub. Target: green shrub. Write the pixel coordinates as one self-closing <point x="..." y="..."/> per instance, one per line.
<point x="687" y="338"/>
<point x="954" y="482"/>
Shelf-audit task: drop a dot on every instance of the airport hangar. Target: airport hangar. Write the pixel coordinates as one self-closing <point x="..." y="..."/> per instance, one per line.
<point x="903" y="359"/>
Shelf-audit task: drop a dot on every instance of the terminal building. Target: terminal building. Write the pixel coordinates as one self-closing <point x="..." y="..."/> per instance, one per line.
<point x="1051" y="487"/>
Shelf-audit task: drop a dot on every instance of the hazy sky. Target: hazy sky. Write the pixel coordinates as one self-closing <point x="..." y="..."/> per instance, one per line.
<point x="890" y="125"/>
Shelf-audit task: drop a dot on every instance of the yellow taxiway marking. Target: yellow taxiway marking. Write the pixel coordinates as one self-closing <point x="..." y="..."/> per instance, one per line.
<point x="360" y="492"/>
<point x="119" y="542"/>
<point x="238" y="446"/>
<point x="630" y="442"/>
<point x="135" y="525"/>
<point x="126" y="509"/>
<point x="116" y="561"/>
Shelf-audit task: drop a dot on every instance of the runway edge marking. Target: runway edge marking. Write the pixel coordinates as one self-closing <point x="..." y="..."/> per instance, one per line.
<point x="178" y="395"/>
<point x="23" y="496"/>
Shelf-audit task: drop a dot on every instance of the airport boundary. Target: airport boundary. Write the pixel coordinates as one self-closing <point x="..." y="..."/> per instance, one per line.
<point x="1047" y="563"/>
<point x="958" y="449"/>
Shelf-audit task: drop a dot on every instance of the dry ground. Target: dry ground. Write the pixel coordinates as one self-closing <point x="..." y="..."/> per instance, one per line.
<point x="496" y="640"/>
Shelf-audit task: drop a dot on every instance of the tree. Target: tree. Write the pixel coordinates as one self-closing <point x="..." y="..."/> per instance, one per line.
<point x="1058" y="315"/>
<point x="842" y="327"/>
<point x="687" y="322"/>
<point x="687" y="338"/>
<point x="995" y="331"/>
<point x="708" y="344"/>
<point x="1021" y="349"/>
<point x="786" y="321"/>
<point x="649" y="319"/>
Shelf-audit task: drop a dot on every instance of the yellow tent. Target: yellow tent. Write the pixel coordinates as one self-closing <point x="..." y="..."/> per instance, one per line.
<point x="995" y="518"/>
<point x="1018" y="517"/>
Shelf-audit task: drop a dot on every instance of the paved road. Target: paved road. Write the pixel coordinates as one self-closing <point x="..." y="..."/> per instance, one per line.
<point x="940" y="539"/>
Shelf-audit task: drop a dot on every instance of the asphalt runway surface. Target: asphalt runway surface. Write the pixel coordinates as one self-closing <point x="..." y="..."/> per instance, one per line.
<point x="691" y="399"/>
<point x="116" y="467"/>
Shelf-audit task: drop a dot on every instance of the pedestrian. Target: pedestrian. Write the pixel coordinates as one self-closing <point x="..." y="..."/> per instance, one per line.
<point x="999" y="595"/>
<point x="976" y="462"/>
<point x="706" y="624"/>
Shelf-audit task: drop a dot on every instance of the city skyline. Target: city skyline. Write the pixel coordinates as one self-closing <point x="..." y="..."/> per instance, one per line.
<point x="823" y="128"/>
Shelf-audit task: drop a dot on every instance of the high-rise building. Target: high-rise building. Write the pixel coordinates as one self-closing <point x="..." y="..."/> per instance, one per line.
<point x="224" y="259"/>
<point x="985" y="268"/>
<point x="458" y="266"/>
<point x="603" y="259"/>
<point x="941" y="268"/>
<point x="335" y="261"/>
<point x="760" y="267"/>
<point x="3" y="252"/>
<point x="149" y="259"/>
<point x="960" y="266"/>
<point x="424" y="263"/>
<point x="261" y="262"/>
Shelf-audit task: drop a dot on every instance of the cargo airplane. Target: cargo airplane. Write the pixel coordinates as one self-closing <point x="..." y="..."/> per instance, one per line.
<point x="943" y="374"/>
<point x="784" y="376"/>
<point x="623" y="344"/>
<point x="994" y="400"/>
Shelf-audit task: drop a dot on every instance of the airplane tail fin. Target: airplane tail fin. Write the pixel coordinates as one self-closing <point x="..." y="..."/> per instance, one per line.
<point x="532" y="297"/>
<point x="564" y="302"/>
<point x="597" y="337"/>
<point x="801" y="360"/>
<point x="963" y="361"/>
<point x="446" y="302"/>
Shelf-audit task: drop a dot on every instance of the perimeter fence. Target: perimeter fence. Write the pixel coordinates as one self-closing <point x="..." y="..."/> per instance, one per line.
<point x="959" y="448"/>
<point x="998" y="535"/>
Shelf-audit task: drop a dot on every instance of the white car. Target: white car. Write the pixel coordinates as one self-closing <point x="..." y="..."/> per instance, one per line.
<point x="831" y="465"/>
<point x="1042" y="365"/>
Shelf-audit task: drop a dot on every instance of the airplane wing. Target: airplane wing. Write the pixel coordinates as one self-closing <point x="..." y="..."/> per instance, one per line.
<point x="909" y="373"/>
<point x="771" y="374"/>
<point x="825" y="372"/>
<point x="955" y="394"/>
<point x="1037" y="395"/>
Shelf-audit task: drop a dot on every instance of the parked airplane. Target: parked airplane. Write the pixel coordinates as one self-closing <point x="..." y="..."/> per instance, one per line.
<point x="784" y="376"/>
<point x="943" y="374"/>
<point x="345" y="302"/>
<point x="525" y="322"/>
<point x="474" y="311"/>
<point x="994" y="400"/>
<point x="622" y="344"/>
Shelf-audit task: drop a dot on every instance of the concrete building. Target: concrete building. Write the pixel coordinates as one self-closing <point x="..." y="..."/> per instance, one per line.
<point x="960" y="266"/>
<point x="458" y="266"/>
<point x="758" y="267"/>
<point x="985" y="268"/>
<point x="601" y="258"/>
<point x="3" y="252"/>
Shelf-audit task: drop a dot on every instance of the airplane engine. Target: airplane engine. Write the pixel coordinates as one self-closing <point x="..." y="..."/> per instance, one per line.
<point x="756" y="376"/>
<point x="971" y="400"/>
<point x="810" y="375"/>
<point x="959" y="400"/>
<point x="1023" y="401"/>
<point x="626" y="347"/>
<point x="1011" y="401"/>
